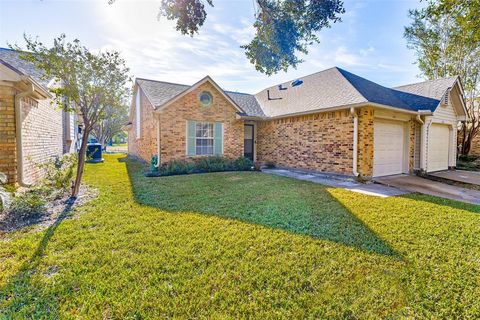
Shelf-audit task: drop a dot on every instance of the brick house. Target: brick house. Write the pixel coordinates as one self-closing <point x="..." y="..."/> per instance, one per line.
<point x="330" y="121"/>
<point x="32" y="129"/>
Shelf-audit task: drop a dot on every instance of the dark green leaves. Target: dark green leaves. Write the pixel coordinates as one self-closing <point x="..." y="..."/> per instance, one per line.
<point x="283" y="28"/>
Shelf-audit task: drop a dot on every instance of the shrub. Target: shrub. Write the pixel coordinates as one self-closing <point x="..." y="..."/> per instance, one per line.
<point x="26" y="205"/>
<point x="213" y="164"/>
<point x="242" y="164"/>
<point x="59" y="172"/>
<point x="199" y="165"/>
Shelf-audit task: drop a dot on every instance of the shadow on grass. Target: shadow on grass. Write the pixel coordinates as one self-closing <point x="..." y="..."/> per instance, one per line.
<point x="19" y="293"/>
<point x="282" y="203"/>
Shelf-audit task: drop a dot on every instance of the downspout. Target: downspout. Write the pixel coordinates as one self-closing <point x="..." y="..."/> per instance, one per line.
<point x="18" y="132"/>
<point x="355" y="140"/>
<point x="418" y="118"/>
<point x="158" y="143"/>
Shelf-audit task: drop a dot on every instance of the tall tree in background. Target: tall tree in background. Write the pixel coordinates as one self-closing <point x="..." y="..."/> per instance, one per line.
<point x="86" y="83"/>
<point x="284" y="28"/>
<point x="105" y="129"/>
<point x="446" y="38"/>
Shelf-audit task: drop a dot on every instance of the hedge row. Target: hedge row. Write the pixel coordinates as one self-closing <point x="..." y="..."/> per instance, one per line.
<point x="200" y="165"/>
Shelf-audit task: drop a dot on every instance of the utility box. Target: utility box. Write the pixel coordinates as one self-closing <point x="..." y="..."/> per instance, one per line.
<point x="94" y="153"/>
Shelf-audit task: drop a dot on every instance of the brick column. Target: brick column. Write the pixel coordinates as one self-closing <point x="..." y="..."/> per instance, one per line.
<point x="8" y="159"/>
<point x="365" y="141"/>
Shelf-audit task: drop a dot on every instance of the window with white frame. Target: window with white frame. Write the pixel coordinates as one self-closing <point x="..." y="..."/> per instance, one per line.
<point x="204" y="138"/>
<point x="137" y="113"/>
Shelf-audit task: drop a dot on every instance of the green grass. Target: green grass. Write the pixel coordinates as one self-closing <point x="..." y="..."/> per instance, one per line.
<point x="230" y="245"/>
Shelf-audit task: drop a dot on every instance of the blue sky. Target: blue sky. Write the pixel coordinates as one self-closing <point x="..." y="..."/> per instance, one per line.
<point x="369" y="41"/>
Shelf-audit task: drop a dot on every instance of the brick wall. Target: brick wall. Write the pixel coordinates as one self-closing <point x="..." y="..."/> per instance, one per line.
<point x="475" y="146"/>
<point x="365" y="141"/>
<point x="146" y="145"/>
<point x="8" y="159"/>
<point x="174" y="122"/>
<point x="42" y="133"/>
<point x="322" y="141"/>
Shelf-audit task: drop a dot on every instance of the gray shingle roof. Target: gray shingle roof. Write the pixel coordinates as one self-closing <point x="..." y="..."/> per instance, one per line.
<point x="12" y="58"/>
<point x="159" y="92"/>
<point x="321" y="90"/>
<point x="434" y="89"/>
<point x="326" y="89"/>
<point x="247" y="103"/>
<point x="396" y="98"/>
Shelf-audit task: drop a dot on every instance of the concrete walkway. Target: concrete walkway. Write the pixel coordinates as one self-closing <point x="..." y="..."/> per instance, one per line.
<point x="434" y="188"/>
<point x="471" y="177"/>
<point x="371" y="189"/>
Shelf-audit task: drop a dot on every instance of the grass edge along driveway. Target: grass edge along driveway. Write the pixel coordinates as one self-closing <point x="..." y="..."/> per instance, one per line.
<point x="229" y="245"/>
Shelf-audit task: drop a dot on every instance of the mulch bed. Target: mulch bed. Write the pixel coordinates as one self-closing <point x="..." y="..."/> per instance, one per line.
<point x="54" y="210"/>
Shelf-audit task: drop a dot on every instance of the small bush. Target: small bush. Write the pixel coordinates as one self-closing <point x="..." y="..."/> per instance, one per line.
<point x="26" y="205"/>
<point x="243" y="164"/>
<point x="201" y="165"/>
<point x="213" y="164"/>
<point x="59" y="172"/>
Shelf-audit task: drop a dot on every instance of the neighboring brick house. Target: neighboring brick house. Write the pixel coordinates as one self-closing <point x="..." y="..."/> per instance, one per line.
<point x="331" y="121"/>
<point x="32" y="128"/>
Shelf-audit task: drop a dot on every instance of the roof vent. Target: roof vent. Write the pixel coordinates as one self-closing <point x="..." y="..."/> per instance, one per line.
<point x="296" y="82"/>
<point x="446" y="99"/>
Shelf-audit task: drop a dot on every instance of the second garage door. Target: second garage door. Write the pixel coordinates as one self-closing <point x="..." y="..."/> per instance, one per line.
<point x="438" y="143"/>
<point x="388" y="147"/>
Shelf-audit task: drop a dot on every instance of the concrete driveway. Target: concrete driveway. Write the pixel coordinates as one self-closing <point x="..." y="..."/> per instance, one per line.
<point x="471" y="177"/>
<point x="336" y="181"/>
<point x="434" y="188"/>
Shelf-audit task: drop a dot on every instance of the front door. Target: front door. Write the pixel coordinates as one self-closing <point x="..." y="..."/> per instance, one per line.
<point x="248" y="142"/>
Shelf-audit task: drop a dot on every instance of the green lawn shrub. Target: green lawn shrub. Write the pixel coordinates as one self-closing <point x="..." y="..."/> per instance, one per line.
<point x="201" y="165"/>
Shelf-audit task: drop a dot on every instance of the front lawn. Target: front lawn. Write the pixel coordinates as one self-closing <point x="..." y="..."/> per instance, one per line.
<point x="243" y="244"/>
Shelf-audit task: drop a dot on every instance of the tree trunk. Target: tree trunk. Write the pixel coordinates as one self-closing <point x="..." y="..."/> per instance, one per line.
<point x="81" y="164"/>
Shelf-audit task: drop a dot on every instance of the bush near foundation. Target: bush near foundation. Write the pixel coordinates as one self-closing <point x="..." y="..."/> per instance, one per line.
<point x="201" y="165"/>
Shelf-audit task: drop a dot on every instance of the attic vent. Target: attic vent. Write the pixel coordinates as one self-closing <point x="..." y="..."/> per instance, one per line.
<point x="446" y="99"/>
<point x="296" y="82"/>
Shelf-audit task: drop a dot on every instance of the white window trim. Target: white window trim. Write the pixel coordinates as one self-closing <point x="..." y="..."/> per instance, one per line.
<point x="138" y="114"/>
<point x="210" y="138"/>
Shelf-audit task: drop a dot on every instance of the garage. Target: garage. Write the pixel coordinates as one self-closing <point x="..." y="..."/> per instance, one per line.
<point x="388" y="147"/>
<point x="438" y="145"/>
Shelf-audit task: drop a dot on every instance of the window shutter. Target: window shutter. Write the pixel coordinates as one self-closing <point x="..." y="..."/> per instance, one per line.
<point x="191" y="127"/>
<point x="218" y="140"/>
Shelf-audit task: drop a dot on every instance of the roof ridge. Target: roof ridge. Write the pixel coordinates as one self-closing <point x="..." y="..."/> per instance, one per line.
<point x="351" y="84"/>
<point x="301" y="77"/>
<point x="237" y="92"/>
<point x="152" y="80"/>
<point x="426" y="81"/>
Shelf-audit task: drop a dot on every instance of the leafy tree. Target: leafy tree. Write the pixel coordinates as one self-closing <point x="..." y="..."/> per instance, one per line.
<point x="447" y="44"/>
<point x="284" y="28"/>
<point x="85" y="82"/>
<point x="111" y="124"/>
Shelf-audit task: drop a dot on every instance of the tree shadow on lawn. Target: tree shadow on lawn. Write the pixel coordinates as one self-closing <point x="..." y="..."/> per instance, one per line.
<point x="19" y="293"/>
<point x="295" y="206"/>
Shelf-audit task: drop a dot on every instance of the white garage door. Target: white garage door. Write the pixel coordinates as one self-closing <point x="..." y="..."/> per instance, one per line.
<point x="388" y="147"/>
<point x="438" y="144"/>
